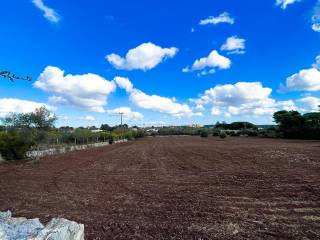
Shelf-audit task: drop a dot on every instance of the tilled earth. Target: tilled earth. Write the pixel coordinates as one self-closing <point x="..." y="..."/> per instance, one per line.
<point x="175" y="188"/>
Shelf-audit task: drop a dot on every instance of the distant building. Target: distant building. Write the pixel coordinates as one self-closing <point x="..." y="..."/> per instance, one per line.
<point x="96" y="130"/>
<point x="196" y="125"/>
<point x="152" y="130"/>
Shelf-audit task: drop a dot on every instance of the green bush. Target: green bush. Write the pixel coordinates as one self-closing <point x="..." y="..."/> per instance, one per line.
<point x="252" y="133"/>
<point x="216" y="133"/>
<point x="204" y="134"/>
<point x="222" y="135"/>
<point x="128" y="135"/>
<point x="234" y="134"/>
<point x="14" y="146"/>
<point x="140" y="134"/>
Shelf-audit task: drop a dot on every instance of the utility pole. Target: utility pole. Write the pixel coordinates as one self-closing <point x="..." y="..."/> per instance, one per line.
<point x="121" y="115"/>
<point x="12" y="77"/>
<point x="121" y="127"/>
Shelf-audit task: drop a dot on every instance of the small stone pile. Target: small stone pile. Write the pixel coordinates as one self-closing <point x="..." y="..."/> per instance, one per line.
<point x="32" y="229"/>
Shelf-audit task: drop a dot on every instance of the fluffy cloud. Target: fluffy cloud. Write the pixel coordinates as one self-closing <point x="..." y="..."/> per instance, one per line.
<point x="144" y="57"/>
<point x="49" y="13"/>
<point x="8" y="105"/>
<point x="155" y="124"/>
<point x="222" y="18"/>
<point x="213" y="61"/>
<point x="124" y="83"/>
<point x="160" y="104"/>
<point x="57" y="99"/>
<point x="234" y="45"/>
<point x="316" y="26"/>
<point x="316" y="65"/>
<point x="305" y="80"/>
<point x="127" y="113"/>
<point x="89" y="118"/>
<point x="315" y="20"/>
<point x="309" y="103"/>
<point x="242" y="98"/>
<point x="284" y="3"/>
<point x="154" y="102"/>
<point x="88" y="91"/>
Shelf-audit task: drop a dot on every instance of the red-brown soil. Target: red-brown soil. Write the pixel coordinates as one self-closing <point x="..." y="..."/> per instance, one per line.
<point x="175" y="188"/>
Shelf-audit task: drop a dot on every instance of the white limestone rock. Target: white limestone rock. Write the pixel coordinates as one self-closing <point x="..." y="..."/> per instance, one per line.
<point x="61" y="229"/>
<point x="1" y="158"/>
<point x="18" y="228"/>
<point x="31" y="229"/>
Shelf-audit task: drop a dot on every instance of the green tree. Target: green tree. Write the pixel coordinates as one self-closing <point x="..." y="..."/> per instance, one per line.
<point x="312" y="119"/>
<point x="288" y="119"/>
<point x="106" y="127"/>
<point x="41" y="118"/>
<point x="241" y="125"/>
<point x="204" y="134"/>
<point x="290" y="123"/>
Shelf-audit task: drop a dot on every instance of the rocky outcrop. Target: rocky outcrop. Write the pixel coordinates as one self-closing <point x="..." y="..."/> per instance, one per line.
<point x="32" y="229"/>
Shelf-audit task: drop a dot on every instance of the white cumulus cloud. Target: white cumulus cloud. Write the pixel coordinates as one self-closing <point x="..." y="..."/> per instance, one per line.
<point x="124" y="83"/>
<point x="315" y="20"/>
<point x="87" y="91"/>
<point x="127" y="113"/>
<point x="316" y="65"/>
<point x="157" y="103"/>
<point x="207" y="65"/>
<point x="241" y="99"/>
<point x="49" y="13"/>
<point x="304" y="80"/>
<point x="89" y="118"/>
<point x="284" y="3"/>
<point x="222" y="18"/>
<point x="316" y="26"/>
<point x="234" y="45"/>
<point x="144" y="57"/>
<point x="13" y="105"/>
<point x="309" y="103"/>
<point x="57" y="99"/>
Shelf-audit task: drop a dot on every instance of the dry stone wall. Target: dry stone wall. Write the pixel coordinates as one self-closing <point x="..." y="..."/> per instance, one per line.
<point x="60" y="150"/>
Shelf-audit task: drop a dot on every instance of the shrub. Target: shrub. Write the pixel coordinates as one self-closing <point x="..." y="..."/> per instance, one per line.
<point x="204" y="134"/>
<point x="222" y="135"/>
<point x="128" y="135"/>
<point x="14" y="146"/>
<point x="140" y="134"/>
<point x="252" y="133"/>
<point x="234" y="134"/>
<point x="216" y="133"/>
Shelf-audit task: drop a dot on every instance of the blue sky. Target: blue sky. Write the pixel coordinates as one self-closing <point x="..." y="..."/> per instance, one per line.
<point x="161" y="61"/>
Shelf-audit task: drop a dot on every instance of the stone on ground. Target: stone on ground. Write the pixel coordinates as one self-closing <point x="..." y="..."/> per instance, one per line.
<point x="32" y="229"/>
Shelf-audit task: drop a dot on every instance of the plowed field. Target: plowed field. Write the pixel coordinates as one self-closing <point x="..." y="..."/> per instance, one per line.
<point x="175" y="188"/>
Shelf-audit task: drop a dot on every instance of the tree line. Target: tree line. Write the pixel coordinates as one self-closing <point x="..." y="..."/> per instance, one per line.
<point x="36" y="130"/>
<point x="293" y="124"/>
<point x="22" y="132"/>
